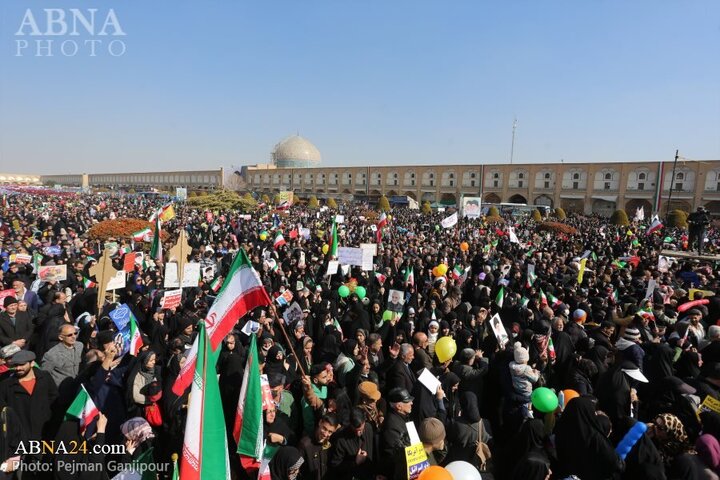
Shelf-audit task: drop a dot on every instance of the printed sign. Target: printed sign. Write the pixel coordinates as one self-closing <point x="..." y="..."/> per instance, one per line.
<point x="416" y="460"/>
<point x="53" y="272"/>
<point x="285" y="298"/>
<point x="191" y="275"/>
<point x="181" y="193"/>
<point x="23" y="258"/>
<point x="171" y="299"/>
<point x="370" y="246"/>
<point x="332" y="268"/>
<point x="499" y="330"/>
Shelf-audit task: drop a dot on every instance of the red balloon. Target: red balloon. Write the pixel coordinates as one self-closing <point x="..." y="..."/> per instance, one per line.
<point x="694" y="303"/>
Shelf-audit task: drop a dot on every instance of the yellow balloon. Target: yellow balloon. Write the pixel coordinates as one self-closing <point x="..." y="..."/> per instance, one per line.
<point x="445" y="349"/>
<point x="442" y="268"/>
<point x="263" y="236"/>
<point x="389" y="217"/>
<point x="325" y="249"/>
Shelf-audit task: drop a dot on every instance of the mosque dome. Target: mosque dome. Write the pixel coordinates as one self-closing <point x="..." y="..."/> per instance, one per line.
<point x="295" y="152"/>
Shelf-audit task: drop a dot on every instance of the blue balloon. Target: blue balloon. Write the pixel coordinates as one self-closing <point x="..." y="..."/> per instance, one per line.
<point x="630" y="439"/>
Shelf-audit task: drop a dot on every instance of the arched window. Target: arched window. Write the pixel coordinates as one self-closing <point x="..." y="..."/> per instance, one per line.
<point x="642" y="176"/>
<point x="608" y="176"/>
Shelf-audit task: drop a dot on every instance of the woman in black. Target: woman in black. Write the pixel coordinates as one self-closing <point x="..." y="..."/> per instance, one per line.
<point x="582" y="447"/>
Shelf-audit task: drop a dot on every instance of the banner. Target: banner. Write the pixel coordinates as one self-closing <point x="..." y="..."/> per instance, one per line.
<point x="171" y="299"/>
<point x="471" y="207"/>
<point x="285" y="199"/>
<point x="181" y="193"/>
<point x="53" y="272"/>
<point x="451" y="221"/>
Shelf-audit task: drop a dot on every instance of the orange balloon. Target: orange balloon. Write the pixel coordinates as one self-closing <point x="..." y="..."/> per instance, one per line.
<point x="436" y="272"/>
<point x="433" y="472"/>
<point x="464" y="246"/>
<point x="569" y="395"/>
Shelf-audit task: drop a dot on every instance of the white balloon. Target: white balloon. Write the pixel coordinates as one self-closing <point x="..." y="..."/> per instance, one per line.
<point x="463" y="471"/>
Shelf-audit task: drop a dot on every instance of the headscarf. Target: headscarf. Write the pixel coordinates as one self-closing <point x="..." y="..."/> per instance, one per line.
<point x="708" y="449"/>
<point x="469" y="407"/>
<point x="582" y="447"/>
<point x="137" y="429"/>
<point x="675" y="441"/>
<point x="286" y="459"/>
<point x="531" y="468"/>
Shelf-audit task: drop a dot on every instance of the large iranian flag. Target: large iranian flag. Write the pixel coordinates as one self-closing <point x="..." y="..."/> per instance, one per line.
<point x="205" y="450"/>
<point x="241" y="292"/>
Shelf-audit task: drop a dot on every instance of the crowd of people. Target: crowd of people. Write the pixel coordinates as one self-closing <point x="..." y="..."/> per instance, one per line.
<point x="596" y="315"/>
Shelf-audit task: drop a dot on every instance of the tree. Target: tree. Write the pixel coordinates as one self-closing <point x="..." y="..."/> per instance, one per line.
<point x="265" y="198"/>
<point x="426" y="208"/>
<point x="383" y="204"/>
<point x="536" y="215"/>
<point x="678" y="218"/>
<point x="131" y="191"/>
<point x="192" y="194"/>
<point x="276" y="199"/>
<point x="619" y="217"/>
<point x="560" y="214"/>
<point x="493" y="212"/>
<point x="331" y="203"/>
<point x="313" y="203"/>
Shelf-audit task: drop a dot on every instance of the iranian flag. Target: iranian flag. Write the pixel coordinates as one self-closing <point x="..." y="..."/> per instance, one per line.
<point x="654" y="226"/>
<point x="531" y="277"/>
<point x="500" y="298"/>
<point x="248" y="427"/>
<point x="553" y="301"/>
<point x="380" y="278"/>
<point x="457" y="272"/>
<point x="140" y="236"/>
<point x="241" y="292"/>
<point x="156" y="249"/>
<point x="205" y="451"/>
<point x="409" y="276"/>
<point x="543" y="298"/>
<point x="615" y="296"/>
<point x="333" y="240"/>
<point x="524" y="302"/>
<point x="382" y="221"/>
<point x="136" y="342"/>
<point x="87" y="283"/>
<point x="216" y="284"/>
<point x="279" y="240"/>
<point x="83" y="408"/>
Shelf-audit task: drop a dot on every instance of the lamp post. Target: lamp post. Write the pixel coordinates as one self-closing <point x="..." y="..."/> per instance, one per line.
<point x="672" y="184"/>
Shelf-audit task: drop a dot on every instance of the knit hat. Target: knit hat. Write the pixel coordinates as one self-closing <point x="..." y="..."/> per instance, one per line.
<point x="9" y="301"/>
<point x="579" y="315"/>
<point x="9" y="351"/>
<point x="432" y="432"/>
<point x="520" y="353"/>
<point x="632" y="334"/>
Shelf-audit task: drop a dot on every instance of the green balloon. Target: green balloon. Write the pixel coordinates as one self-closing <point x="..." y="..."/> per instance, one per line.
<point x="343" y="291"/>
<point x="437" y="228"/>
<point x="360" y="292"/>
<point x="387" y="315"/>
<point x="544" y="400"/>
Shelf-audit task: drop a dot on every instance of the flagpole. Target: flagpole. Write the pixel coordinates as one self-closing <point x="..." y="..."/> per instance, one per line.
<point x="287" y="339"/>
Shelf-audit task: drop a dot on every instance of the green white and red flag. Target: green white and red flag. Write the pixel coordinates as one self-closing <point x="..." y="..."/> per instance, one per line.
<point x="83" y="408"/>
<point x="205" y="450"/>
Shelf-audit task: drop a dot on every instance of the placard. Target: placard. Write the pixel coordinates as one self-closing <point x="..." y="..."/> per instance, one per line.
<point x="292" y="314"/>
<point x="350" y="256"/>
<point x="706" y="293"/>
<point x="23" y="258"/>
<point x="117" y="282"/>
<point x="499" y="330"/>
<point x="181" y="193"/>
<point x="191" y="275"/>
<point x="171" y="299"/>
<point x="471" y="207"/>
<point x="650" y="288"/>
<point x="332" y="268"/>
<point x="53" y="272"/>
<point x="339" y="219"/>
<point x="285" y="298"/>
<point x="367" y="260"/>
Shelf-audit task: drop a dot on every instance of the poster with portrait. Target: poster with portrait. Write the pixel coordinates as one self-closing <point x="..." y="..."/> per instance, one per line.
<point x="499" y="330"/>
<point x="396" y="301"/>
<point x="471" y="207"/>
<point x="53" y="272"/>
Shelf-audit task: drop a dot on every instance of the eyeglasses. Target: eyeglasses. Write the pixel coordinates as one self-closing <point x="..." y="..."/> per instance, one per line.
<point x="70" y="334"/>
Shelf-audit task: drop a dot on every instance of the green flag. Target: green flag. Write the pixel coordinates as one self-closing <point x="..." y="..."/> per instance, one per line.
<point x="500" y="298"/>
<point x="248" y="431"/>
<point x="334" y="246"/>
<point x="156" y="249"/>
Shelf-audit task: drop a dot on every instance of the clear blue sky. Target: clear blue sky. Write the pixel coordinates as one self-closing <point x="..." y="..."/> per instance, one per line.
<point x="218" y="82"/>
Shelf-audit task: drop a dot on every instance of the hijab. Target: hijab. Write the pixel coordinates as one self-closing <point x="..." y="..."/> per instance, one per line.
<point x="286" y="459"/>
<point x="137" y="429"/>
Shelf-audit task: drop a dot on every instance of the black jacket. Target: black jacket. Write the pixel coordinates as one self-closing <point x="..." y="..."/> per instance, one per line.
<point x="22" y="329"/>
<point x="345" y="449"/>
<point x="33" y="410"/>
<point x="400" y="376"/>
